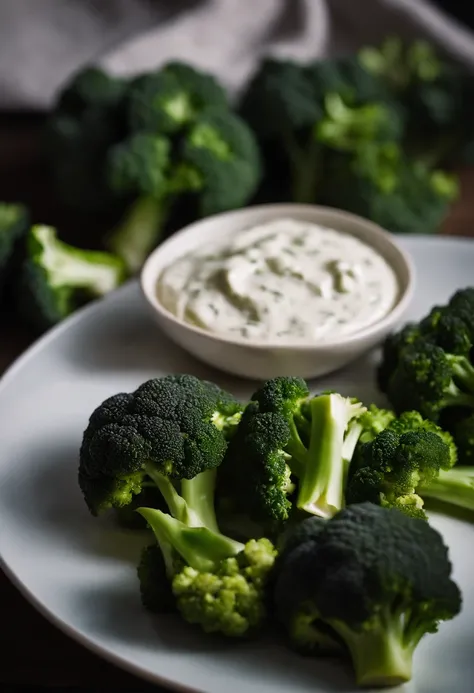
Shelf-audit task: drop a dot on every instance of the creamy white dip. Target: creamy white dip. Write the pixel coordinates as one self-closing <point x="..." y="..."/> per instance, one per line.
<point x="283" y="281"/>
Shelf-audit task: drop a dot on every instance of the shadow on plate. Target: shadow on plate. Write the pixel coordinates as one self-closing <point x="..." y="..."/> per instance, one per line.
<point x="120" y="616"/>
<point x="136" y="344"/>
<point x="49" y="502"/>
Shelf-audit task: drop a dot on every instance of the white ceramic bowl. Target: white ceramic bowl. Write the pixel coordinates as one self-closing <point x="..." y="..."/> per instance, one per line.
<point x="261" y="361"/>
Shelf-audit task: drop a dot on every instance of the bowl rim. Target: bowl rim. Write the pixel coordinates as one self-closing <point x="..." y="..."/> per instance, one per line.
<point x="148" y="277"/>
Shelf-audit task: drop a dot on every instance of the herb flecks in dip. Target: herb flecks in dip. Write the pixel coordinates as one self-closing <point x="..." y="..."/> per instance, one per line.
<point x="283" y="281"/>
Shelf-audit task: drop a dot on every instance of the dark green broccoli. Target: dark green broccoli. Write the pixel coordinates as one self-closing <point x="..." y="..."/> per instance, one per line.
<point x="214" y="164"/>
<point x="377" y="581"/>
<point x="217" y="582"/>
<point x="462" y="429"/>
<point x="391" y="349"/>
<point x="88" y="118"/>
<point x="429" y="380"/>
<point x="393" y="466"/>
<point x="302" y="111"/>
<point x="381" y="183"/>
<point x="290" y="452"/>
<point x="14" y="223"/>
<point x="166" y="101"/>
<point x="57" y="278"/>
<point x="173" y="427"/>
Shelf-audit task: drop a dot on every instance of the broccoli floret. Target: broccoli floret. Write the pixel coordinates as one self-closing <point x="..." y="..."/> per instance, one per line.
<point x="215" y="163"/>
<point x="375" y="578"/>
<point x="429" y="380"/>
<point x="14" y="223"/>
<point x="393" y="467"/>
<point x="173" y="427"/>
<point x="391" y="349"/>
<point x="88" y="118"/>
<point x="305" y="110"/>
<point x="165" y="101"/>
<point x="413" y="421"/>
<point x="380" y="182"/>
<point x="57" y="278"/>
<point x="452" y="486"/>
<point x="219" y="583"/>
<point x="290" y="453"/>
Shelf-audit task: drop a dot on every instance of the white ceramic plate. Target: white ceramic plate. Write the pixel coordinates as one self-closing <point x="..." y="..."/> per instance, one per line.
<point x="80" y="572"/>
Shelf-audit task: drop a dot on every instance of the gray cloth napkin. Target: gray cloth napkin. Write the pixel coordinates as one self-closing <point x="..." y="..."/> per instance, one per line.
<point x="43" y="41"/>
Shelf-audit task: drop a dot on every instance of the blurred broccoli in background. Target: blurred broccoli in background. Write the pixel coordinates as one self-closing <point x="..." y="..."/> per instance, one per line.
<point x="370" y="133"/>
<point x="57" y="278"/>
<point x="137" y="147"/>
<point x="14" y="220"/>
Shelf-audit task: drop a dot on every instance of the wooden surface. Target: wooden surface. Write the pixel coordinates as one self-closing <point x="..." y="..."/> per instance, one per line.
<point x="32" y="651"/>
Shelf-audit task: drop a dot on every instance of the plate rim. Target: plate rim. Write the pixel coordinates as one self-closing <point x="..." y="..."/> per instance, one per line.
<point x="90" y="644"/>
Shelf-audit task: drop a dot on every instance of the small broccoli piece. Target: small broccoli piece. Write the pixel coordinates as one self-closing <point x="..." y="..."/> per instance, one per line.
<point x="374" y="421"/>
<point x="376" y="579"/>
<point x="14" y="223"/>
<point x="394" y="466"/>
<point x="347" y="128"/>
<point x="173" y="427"/>
<point x="429" y="380"/>
<point x="290" y="453"/>
<point x="452" y="486"/>
<point x="165" y="101"/>
<point x="219" y="583"/>
<point x="413" y="421"/>
<point x="58" y="278"/>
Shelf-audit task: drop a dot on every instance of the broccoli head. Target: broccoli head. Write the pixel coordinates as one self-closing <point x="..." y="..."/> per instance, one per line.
<point x="393" y="466"/>
<point x="429" y="380"/>
<point x="57" y="278"/>
<point x="173" y="427"/>
<point x="290" y="453"/>
<point x="217" y="582"/>
<point x="213" y="163"/>
<point x="375" y="581"/>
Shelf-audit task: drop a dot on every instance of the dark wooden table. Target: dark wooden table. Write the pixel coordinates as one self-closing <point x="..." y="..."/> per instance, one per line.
<point x="33" y="652"/>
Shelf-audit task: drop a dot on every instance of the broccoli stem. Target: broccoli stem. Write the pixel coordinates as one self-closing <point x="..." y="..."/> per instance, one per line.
<point x="454" y="397"/>
<point x="380" y="653"/>
<point x="139" y="232"/>
<point x="177" y="505"/>
<point x="453" y="486"/>
<point x="200" y="548"/>
<point x="463" y="372"/>
<point x="322" y="484"/>
<point x="305" y="169"/>
<point x="198" y="493"/>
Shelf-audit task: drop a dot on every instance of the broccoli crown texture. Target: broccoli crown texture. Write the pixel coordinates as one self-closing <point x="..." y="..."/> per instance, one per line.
<point x="290" y="452"/>
<point x="57" y="278"/>
<point x="217" y="583"/>
<point x="173" y="426"/>
<point x="378" y="580"/>
<point x="393" y="465"/>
